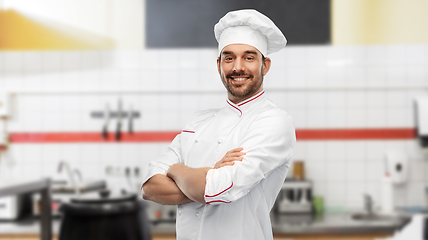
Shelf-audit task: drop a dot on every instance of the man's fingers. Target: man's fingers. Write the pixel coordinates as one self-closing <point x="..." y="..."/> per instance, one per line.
<point x="230" y="159"/>
<point x="236" y="150"/>
<point x="228" y="164"/>
<point x="235" y="154"/>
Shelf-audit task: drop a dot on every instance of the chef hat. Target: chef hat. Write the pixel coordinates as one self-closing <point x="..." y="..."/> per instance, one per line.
<point x="249" y="27"/>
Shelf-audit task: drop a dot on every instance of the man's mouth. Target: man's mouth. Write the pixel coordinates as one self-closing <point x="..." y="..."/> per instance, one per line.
<point x="240" y="78"/>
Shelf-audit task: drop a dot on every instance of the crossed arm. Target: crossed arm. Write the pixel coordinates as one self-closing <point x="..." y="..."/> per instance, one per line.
<point x="183" y="184"/>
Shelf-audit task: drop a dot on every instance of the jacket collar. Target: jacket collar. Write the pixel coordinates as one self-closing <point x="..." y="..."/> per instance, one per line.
<point x="244" y="105"/>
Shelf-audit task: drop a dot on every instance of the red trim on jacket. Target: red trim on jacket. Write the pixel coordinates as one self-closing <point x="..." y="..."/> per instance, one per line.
<point x="220" y="192"/>
<point x="251" y="99"/>
<point x="187" y="131"/>
<point x="218" y="201"/>
<point x="247" y="101"/>
<point x="235" y="107"/>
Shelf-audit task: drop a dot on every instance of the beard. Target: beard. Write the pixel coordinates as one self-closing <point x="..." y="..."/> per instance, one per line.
<point x="243" y="91"/>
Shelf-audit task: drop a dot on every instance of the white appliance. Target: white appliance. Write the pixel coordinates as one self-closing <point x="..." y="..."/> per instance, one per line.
<point x="396" y="165"/>
<point x="10" y="207"/>
<point x="395" y="173"/>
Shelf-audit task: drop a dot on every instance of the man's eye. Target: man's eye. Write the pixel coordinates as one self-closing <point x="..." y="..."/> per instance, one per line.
<point x="250" y="58"/>
<point x="228" y="59"/>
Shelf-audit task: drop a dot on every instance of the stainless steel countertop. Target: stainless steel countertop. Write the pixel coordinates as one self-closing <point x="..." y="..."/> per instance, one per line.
<point x="329" y="223"/>
<point x="334" y="223"/>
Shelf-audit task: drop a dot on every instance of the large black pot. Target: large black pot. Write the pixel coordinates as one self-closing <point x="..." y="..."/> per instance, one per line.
<point x="120" y="217"/>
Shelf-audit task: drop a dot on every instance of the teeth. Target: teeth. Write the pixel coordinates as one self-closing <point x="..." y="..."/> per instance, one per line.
<point x="239" y="79"/>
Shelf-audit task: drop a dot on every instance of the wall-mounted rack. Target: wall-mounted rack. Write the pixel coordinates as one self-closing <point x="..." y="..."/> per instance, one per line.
<point x="124" y="114"/>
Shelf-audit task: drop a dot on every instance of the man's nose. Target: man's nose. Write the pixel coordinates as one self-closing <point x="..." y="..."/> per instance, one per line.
<point x="239" y="65"/>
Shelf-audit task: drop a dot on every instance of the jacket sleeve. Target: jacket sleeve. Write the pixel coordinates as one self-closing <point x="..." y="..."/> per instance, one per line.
<point x="268" y="144"/>
<point x="173" y="154"/>
<point x="166" y="160"/>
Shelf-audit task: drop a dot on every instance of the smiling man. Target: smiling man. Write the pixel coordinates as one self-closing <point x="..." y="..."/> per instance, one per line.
<point x="242" y="68"/>
<point x="226" y="168"/>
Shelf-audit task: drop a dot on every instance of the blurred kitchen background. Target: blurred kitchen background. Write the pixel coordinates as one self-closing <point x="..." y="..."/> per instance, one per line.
<point x="104" y="86"/>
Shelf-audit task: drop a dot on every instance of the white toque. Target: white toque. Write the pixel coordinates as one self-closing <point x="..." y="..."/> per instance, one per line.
<point x="250" y="27"/>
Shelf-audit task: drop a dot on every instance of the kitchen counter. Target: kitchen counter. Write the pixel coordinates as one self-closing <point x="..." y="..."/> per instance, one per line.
<point x="334" y="223"/>
<point x="43" y="186"/>
<point x="28" y="226"/>
<point x="328" y="224"/>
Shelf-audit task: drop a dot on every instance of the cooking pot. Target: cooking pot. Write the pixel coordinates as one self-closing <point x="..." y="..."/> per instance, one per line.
<point x="104" y="216"/>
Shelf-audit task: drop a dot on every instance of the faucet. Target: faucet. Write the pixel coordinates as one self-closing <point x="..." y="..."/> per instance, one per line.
<point x="79" y="174"/>
<point x="65" y="164"/>
<point x="368" y="204"/>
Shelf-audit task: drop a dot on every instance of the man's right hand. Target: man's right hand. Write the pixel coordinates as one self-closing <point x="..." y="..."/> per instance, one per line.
<point x="230" y="157"/>
<point x="163" y="190"/>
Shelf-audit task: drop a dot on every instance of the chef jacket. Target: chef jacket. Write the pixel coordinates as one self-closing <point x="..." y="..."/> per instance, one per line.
<point x="239" y="197"/>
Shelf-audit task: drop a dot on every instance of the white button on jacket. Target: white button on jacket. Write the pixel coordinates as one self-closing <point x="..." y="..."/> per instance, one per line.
<point x="239" y="197"/>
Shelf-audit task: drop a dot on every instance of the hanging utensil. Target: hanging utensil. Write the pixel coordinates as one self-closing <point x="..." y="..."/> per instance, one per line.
<point x="130" y="121"/>
<point x="107" y="120"/>
<point x="119" y="121"/>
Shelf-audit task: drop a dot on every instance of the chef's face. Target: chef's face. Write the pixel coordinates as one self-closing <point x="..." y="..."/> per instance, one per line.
<point x="242" y="68"/>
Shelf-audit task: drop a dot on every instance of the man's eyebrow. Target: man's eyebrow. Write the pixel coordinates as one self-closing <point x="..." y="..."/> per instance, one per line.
<point x="246" y="52"/>
<point x="227" y="52"/>
<point x="251" y="52"/>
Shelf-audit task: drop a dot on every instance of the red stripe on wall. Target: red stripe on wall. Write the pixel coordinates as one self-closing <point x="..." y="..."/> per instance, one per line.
<point x="168" y="136"/>
<point x="89" y="137"/>
<point x="356" y="134"/>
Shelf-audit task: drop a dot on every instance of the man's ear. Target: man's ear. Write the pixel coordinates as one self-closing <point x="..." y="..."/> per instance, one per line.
<point x="218" y="65"/>
<point x="266" y="66"/>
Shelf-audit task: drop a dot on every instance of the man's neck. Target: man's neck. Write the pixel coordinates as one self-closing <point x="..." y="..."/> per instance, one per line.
<point x="237" y="101"/>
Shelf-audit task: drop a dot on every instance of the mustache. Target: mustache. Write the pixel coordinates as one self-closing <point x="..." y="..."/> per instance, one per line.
<point x="235" y="74"/>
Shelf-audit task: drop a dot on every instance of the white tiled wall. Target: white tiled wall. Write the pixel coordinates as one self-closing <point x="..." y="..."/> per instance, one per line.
<point x="320" y="86"/>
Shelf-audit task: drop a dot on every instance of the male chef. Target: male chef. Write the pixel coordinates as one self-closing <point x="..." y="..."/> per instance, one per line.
<point x="226" y="168"/>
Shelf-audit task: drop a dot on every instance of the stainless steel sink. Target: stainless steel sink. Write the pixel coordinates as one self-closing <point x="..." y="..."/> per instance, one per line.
<point x="370" y="216"/>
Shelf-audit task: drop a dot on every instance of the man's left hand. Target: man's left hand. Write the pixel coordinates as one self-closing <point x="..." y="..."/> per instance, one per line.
<point x="230" y="157"/>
